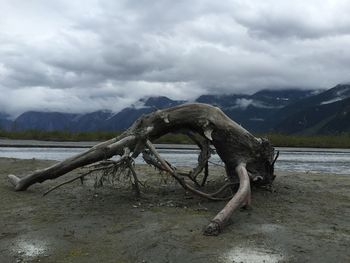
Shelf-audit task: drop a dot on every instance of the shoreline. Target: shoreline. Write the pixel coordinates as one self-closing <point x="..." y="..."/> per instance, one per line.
<point x="8" y="143"/>
<point x="304" y="218"/>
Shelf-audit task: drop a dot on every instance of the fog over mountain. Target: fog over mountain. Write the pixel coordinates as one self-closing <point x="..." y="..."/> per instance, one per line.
<point x="290" y="111"/>
<point x="83" y="56"/>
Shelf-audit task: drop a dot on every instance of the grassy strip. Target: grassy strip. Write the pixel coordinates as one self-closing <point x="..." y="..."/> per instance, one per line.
<point x="58" y="135"/>
<point x="320" y="141"/>
<point x="82" y="136"/>
<point x="317" y="141"/>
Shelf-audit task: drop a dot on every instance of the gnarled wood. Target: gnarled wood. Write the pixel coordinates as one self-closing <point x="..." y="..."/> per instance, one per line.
<point x="241" y="198"/>
<point x="245" y="156"/>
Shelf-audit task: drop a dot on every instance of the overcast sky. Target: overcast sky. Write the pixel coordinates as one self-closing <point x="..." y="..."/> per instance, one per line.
<point x="80" y="56"/>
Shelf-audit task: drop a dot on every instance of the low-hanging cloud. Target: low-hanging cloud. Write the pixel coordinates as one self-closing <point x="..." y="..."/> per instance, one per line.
<point x="80" y="56"/>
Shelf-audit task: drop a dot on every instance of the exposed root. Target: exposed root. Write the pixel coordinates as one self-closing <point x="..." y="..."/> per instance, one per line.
<point x="223" y="188"/>
<point x="203" y="158"/>
<point x="241" y="198"/>
<point x="136" y="180"/>
<point x="65" y="182"/>
<point x="106" y="166"/>
<point x="97" y="153"/>
<point x="181" y="180"/>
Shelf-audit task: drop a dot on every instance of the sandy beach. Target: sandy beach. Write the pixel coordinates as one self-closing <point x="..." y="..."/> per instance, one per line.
<point x="305" y="218"/>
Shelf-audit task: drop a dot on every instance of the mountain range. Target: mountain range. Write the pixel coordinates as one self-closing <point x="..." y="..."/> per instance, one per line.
<point x="291" y="111"/>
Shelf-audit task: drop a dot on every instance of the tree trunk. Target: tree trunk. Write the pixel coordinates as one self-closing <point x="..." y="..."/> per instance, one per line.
<point x="246" y="157"/>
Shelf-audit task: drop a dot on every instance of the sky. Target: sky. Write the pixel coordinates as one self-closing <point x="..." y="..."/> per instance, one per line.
<point x="82" y="56"/>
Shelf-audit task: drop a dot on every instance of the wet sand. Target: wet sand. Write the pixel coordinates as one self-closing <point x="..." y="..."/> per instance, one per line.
<point x="306" y="218"/>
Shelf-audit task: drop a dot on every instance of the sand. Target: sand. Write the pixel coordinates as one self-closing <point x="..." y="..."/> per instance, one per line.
<point x="306" y="218"/>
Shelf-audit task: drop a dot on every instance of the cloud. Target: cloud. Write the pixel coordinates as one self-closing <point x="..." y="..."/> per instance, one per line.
<point x="87" y="55"/>
<point x="294" y="19"/>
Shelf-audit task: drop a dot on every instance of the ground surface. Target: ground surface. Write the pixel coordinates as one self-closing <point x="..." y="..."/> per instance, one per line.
<point x="305" y="219"/>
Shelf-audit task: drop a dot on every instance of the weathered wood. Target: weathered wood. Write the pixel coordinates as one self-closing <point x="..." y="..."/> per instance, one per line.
<point x="245" y="156"/>
<point x="95" y="154"/>
<point x="241" y="198"/>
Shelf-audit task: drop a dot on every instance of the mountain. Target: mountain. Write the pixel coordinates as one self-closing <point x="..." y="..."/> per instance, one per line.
<point x="123" y="119"/>
<point x="291" y="111"/>
<point x="254" y="112"/>
<point x="5" y="122"/>
<point x="46" y="121"/>
<point x="329" y="96"/>
<point x="324" y="113"/>
<point x="340" y="121"/>
<point x="94" y="121"/>
<point x="161" y="102"/>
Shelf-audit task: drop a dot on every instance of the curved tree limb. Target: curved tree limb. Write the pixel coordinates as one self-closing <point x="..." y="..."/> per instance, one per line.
<point x="241" y="198"/>
<point x="180" y="180"/>
<point x="97" y="153"/>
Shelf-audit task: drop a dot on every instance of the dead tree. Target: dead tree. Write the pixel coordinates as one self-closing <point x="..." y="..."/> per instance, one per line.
<point x="247" y="159"/>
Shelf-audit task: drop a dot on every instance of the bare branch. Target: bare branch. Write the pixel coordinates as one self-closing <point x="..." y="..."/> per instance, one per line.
<point x="178" y="178"/>
<point x="136" y="180"/>
<point x="64" y="183"/>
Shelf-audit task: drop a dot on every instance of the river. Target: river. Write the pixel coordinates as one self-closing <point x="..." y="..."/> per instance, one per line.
<point x="335" y="161"/>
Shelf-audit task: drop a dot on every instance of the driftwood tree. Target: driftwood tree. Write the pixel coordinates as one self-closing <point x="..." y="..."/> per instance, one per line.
<point x="247" y="159"/>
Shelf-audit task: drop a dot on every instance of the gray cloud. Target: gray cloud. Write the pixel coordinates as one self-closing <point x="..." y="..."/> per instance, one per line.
<point x="82" y="56"/>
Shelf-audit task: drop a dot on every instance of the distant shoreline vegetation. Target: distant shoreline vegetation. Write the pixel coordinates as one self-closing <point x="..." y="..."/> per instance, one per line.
<point x="282" y="140"/>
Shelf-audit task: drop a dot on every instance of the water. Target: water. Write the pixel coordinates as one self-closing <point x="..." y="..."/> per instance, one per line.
<point x="291" y="159"/>
<point x="314" y="160"/>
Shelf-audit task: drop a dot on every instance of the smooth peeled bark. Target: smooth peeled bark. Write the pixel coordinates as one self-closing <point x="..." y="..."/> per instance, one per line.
<point x="241" y="198"/>
<point x="95" y="154"/>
